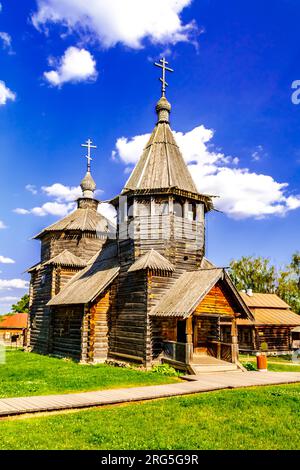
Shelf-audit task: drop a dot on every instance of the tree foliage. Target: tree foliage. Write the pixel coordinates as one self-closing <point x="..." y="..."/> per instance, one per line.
<point x="22" y="306"/>
<point x="289" y="283"/>
<point x="253" y="273"/>
<point x="258" y="274"/>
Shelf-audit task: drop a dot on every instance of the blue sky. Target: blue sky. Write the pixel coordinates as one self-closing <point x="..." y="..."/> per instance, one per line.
<point x="69" y="71"/>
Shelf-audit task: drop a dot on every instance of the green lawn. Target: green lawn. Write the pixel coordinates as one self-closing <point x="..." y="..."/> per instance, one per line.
<point x="31" y="374"/>
<point x="257" y="418"/>
<point x="275" y="364"/>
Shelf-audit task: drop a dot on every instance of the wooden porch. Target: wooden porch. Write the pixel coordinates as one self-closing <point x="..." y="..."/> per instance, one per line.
<point x="203" y="341"/>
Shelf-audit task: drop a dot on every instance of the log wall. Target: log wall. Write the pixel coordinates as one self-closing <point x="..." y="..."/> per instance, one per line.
<point x="217" y="301"/>
<point x="66" y="328"/>
<point x="41" y="333"/>
<point x="128" y="322"/>
<point x="96" y="324"/>
<point x="83" y="245"/>
<point x="39" y="313"/>
<point x="265" y="338"/>
<point x="276" y="338"/>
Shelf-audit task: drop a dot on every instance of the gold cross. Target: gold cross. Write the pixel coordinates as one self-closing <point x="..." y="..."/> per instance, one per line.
<point x="89" y="146"/>
<point x="163" y="65"/>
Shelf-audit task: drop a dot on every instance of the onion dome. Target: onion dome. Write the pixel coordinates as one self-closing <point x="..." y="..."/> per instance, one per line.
<point x="88" y="186"/>
<point x="163" y="109"/>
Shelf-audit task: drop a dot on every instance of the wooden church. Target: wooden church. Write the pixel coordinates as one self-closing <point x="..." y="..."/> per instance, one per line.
<point x="144" y="292"/>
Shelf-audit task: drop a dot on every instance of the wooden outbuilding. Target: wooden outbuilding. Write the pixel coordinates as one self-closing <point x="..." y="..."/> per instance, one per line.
<point x="13" y="329"/>
<point x="295" y="338"/>
<point x="271" y="330"/>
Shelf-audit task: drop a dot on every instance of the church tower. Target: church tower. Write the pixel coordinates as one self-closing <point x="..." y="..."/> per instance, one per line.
<point x="160" y="234"/>
<point x="66" y="247"/>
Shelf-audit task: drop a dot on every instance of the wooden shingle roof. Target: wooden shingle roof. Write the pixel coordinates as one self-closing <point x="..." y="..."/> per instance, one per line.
<point x="161" y="164"/>
<point x="190" y="289"/>
<point x="152" y="260"/>
<point x="66" y="258"/>
<point x="269" y="309"/>
<point x="187" y="292"/>
<point x="263" y="300"/>
<point x="85" y="286"/>
<point x="272" y="316"/>
<point x="85" y="220"/>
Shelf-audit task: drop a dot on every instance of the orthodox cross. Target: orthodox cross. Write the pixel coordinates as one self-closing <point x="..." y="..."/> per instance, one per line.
<point x="89" y="146"/>
<point x="163" y="65"/>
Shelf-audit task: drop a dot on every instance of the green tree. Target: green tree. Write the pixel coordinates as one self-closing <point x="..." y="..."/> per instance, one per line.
<point x="22" y="306"/>
<point x="289" y="283"/>
<point x="254" y="273"/>
<point x="258" y="274"/>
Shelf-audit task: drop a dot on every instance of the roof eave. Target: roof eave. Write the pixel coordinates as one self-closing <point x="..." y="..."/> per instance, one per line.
<point x="205" y="198"/>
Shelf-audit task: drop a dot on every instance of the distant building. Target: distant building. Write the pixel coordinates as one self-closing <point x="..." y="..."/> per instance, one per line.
<point x="13" y="329"/>
<point x="296" y="338"/>
<point x="271" y="329"/>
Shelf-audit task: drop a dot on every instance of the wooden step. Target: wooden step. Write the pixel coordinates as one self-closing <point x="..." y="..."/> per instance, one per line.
<point x="202" y="369"/>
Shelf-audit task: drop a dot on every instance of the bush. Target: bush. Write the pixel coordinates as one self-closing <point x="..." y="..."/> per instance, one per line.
<point x="249" y="366"/>
<point x="165" y="369"/>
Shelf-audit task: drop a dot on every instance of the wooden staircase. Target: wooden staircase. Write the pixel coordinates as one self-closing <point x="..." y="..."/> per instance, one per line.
<point x="203" y="364"/>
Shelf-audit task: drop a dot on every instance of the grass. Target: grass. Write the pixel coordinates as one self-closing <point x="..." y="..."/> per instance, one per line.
<point x="26" y="374"/>
<point x="275" y="364"/>
<point x="256" y="418"/>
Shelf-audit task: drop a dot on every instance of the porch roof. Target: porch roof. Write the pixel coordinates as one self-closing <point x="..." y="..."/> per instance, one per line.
<point x="85" y="286"/>
<point x="190" y="289"/>
<point x="152" y="260"/>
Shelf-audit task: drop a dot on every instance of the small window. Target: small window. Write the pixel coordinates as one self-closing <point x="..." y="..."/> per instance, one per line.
<point x="66" y="323"/>
<point x="162" y="208"/>
<point x="130" y="210"/>
<point x="144" y="209"/>
<point x="178" y="209"/>
<point x="43" y="279"/>
<point x="33" y="322"/>
<point x="226" y="334"/>
<point x="192" y="212"/>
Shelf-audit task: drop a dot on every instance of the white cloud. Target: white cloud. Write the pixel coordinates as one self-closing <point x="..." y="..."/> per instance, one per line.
<point x="5" y="94"/>
<point x="2" y="225"/>
<point x="108" y="211"/>
<point x="8" y="284"/>
<point x="8" y="299"/>
<point x="53" y="208"/>
<point x="6" y="41"/>
<point x="31" y="188"/>
<point x="63" y="204"/>
<point x="118" y="21"/>
<point x="49" y="208"/>
<point x="76" y="65"/>
<point x="243" y="194"/>
<point x="258" y="153"/>
<point x="130" y="149"/>
<point x="5" y="260"/>
<point x="63" y="193"/>
<point x="21" y="211"/>
<point x="0" y="7"/>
